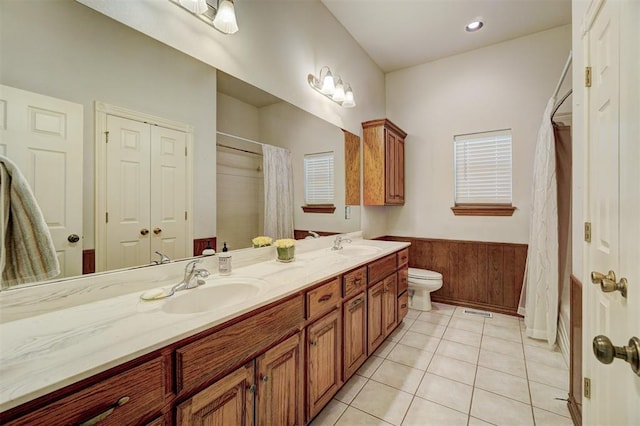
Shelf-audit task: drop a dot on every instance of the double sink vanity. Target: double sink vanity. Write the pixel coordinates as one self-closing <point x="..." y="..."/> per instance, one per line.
<point x="269" y="344"/>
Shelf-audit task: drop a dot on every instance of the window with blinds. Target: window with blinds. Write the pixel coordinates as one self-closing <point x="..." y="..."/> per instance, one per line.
<point x="318" y="178"/>
<point x="483" y="168"/>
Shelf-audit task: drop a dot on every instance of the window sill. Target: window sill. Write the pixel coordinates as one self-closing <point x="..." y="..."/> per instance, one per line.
<point x="319" y="208"/>
<point x="483" y="210"/>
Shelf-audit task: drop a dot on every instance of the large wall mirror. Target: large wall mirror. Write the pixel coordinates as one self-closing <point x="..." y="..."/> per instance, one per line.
<point x="65" y="51"/>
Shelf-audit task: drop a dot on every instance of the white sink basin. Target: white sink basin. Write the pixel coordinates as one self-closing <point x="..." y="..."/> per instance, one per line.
<point x="358" y="250"/>
<point x="215" y="294"/>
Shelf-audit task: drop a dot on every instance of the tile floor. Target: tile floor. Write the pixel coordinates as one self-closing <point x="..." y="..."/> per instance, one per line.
<point x="446" y="367"/>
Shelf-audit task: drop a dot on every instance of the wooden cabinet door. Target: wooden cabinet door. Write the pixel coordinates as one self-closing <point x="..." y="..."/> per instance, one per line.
<point x="229" y="401"/>
<point x="390" y="168"/>
<point x="375" y="326"/>
<point x="389" y="304"/>
<point x="279" y="393"/>
<point x="324" y="361"/>
<point x="354" y="314"/>
<point x="399" y="176"/>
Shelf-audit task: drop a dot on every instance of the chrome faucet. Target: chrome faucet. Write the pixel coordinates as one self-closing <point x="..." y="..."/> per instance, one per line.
<point x="163" y="259"/>
<point x="314" y="234"/>
<point x="191" y="273"/>
<point x="337" y="243"/>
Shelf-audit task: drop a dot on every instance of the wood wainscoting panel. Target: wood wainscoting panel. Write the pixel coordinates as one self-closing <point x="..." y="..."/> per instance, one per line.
<point x="300" y="234"/>
<point x="478" y="274"/>
<point x="575" y="352"/>
<point x="88" y="261"/>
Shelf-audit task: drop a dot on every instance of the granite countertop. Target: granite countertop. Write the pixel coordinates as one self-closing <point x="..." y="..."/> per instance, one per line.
<point x="57" y="334"/>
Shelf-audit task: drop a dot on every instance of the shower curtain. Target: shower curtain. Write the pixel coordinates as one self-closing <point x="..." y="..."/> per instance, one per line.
<point x="278" y="192"/>
<point x="539" y="297"/>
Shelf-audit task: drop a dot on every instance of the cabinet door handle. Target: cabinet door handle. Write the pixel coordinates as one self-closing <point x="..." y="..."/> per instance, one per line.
<point x="404" y="305"/>
<point x="100" y="417"/>
<point x="252" y="388"/>
<point x="356" y="302"/>
<point x="265" y="378"/>
<point x="314" y="344"/>
<point x="325" y="298"/>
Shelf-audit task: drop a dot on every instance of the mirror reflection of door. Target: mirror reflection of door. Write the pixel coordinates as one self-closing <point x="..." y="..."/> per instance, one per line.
<point x="146" y="193"/>
<point x="43" y="136"/>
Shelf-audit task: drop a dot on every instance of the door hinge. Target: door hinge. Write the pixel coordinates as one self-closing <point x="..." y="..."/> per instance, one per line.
<point x="106" y="217"/>
<point x="587" y="232"/>
<point x="185" y="215"/>
<point x="587" y="387"/>
<point x="587" y="77"/>
<point x="106" y="136"/>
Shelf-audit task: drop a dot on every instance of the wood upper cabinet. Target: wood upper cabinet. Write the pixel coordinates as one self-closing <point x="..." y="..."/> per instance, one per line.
<point x="324" y="372"/>
<point x="279" y="390"/>
<point x="228" y="401"/>
<point x="383" y="163"/>
<point x="354" y="348"/>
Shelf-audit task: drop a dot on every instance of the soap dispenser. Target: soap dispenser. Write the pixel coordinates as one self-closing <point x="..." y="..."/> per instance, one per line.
<point x="224" y="247"/>
<point x="208" y="250"/>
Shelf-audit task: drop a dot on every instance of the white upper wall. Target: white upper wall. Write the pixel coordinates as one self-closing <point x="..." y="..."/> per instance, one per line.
<point x="503" y="86"/>
<point x="278" y="45"/>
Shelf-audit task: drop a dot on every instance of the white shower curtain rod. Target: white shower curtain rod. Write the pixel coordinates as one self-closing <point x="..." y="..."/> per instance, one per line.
<point x="564" y="73"/>
<point x="247" y="140"/>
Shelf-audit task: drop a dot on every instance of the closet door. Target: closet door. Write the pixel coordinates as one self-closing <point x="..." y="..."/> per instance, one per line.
<point x="168" y="192"/>
<point x="128" y="193"/>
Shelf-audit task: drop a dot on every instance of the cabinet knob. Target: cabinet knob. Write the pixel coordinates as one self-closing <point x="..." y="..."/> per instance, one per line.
<point x="157" y="231"/>
<point x="252" y="388"/>
<point x="144" y="231"/>
<point x="314" y="343"/>
<point x="265" y="378"/>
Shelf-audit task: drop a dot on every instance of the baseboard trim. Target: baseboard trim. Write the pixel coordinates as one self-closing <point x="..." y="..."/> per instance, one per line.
<point x="563" y="338"/>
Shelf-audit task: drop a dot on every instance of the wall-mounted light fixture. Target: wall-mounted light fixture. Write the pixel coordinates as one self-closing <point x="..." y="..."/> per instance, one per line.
<point x="220" y="14"/>
<point x="332" y="87"/>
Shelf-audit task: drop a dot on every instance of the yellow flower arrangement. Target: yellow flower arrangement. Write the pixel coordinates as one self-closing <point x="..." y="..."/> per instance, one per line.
<point x="285" y="243"/>
<point x="262" y="241"/>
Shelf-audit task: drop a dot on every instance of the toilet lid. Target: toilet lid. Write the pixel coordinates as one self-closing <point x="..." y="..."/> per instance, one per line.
<point x="424" y="274"/>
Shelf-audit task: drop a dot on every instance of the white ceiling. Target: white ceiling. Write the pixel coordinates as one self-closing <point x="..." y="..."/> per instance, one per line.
<point x="403" y="33"/>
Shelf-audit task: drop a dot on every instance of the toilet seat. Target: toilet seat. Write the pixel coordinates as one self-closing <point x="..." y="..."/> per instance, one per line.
<point x="424" y="274"/>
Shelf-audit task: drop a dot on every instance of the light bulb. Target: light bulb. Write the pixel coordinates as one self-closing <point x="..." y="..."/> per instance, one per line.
<point x="225" y="19"/>
<point x="338" y="95"/>
<point x="328" y="86"/>
<point x="349" y="101"/>
<point x="195" y="6"/>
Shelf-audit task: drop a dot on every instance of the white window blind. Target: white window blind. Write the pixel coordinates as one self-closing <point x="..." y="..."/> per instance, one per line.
<point x="483" y="168"/>
<point x="318" y="178"/>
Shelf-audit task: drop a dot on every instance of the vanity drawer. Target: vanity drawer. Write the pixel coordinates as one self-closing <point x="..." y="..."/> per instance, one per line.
<point x="403" y="257"/>
<point x="231" y="345"/>
<point x="324" y="298"/>
<point x="142" y="385"/>
<point x="403" y="305"/>
<point x="355" y="281"/>
<point x="403" y="279"/>
<point x="381" y="268"/>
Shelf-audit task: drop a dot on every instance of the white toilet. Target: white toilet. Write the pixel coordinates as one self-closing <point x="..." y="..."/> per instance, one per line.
<point x="421" y="283"/>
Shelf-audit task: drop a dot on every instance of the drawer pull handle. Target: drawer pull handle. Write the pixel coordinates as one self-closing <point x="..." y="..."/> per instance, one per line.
<point x="357" y="281"/>
<point x="100" y="417"/>
<point x="325" y="298"/>
<point x="356" y="302"/>
<point x="404" y="305"/>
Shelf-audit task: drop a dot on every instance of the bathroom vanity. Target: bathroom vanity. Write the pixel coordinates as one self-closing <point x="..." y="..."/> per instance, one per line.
<point x="276" y="358"/>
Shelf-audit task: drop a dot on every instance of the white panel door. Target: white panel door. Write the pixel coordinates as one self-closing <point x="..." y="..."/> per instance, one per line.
<point x="613" y="197"/>
<point x="168" y="192"/>
<point x="43" y="136"/>
<point x="128" y="193"/>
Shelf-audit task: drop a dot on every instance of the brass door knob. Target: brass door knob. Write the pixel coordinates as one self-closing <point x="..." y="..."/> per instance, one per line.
<point x="606" y="352"/>
<point x="144" y="231"/>
<point x="157" y="231"/>
<point x="608" y="282"/>
<point x="597" y="277"/>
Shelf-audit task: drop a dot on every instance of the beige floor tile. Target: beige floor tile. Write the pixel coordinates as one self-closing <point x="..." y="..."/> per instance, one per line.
<point x="556" y="377"/>
<point x="503" y="384"/>
<point x="460" y="313"/>
<point x="543" y="355"/>
<point x="501" y="346"/>
<point x="504" y="363"/>
<point x="398" y="376"/>
<point x="532" y="342"/>
<point x="477" y="422"/>
<point x="384" y="349"/>
<point x="545" y="418"/>
<point x="499" y="410"/>
<point x="453" y="369"/>
<point x="397" y="334"/>
<point x="543" y="396"/>
<point x="412" y="314"/>
<point x="504" y="321"/>
<point x="353" y="417"/>
<point x="350" y="389"/>
<point x="462" y="323"/>
<point x="410" y="356"/>
<point x="507" y="333"/>
<point x="370" y="366"/>
<point x="383" y="402"/>
<point x="428" y="328"/>
<point x="446" y="392"/>
<point x="458" y="351"/>
<point x="329" y="414"/>
<point x="420" y="341"/>
<point x="442" y="308"/>
<point x="462" y="336"/>
<point x="434" y="318"/>
<point x="427" y="413"/>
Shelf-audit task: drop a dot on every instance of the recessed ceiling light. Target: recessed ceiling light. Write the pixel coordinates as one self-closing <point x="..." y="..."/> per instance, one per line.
<point x="474" y="25"/>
